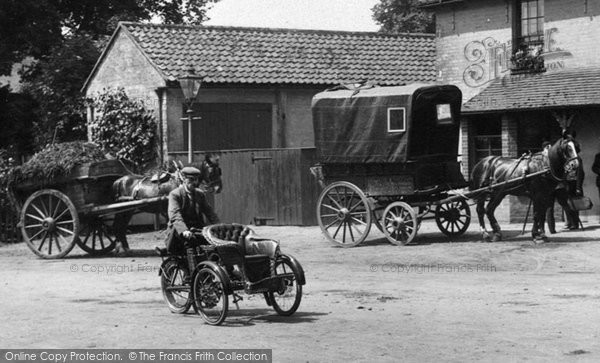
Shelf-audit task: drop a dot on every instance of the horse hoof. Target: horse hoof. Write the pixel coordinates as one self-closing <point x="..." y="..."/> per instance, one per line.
<point x="496" y="237"/>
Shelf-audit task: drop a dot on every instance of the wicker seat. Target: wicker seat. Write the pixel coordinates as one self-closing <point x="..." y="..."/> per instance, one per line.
<point x="244" y="236"/>
<point x="257" y="253"/>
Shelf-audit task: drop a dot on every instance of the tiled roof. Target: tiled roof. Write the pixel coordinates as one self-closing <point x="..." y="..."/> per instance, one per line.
<point x="573" y="87"/>
<point x="286" y="56"/>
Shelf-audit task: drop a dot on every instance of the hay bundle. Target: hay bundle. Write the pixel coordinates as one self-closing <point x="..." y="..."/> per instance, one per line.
<point x="56" y="161"/>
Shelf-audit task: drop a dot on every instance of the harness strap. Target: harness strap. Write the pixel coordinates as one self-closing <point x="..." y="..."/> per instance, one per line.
<point x="137" y="187"/>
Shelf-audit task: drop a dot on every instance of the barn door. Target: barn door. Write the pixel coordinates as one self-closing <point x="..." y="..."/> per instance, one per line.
<point x="273" y="187"/>
<point x="266" y="191"/>
<point x="279" y="186"/>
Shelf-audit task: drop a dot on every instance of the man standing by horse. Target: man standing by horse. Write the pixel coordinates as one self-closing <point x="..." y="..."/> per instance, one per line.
<point x="187" y="209"/>
<point x="596" y="169"/>
<point x="529" y="176"/>
<point x="562" y="192"/>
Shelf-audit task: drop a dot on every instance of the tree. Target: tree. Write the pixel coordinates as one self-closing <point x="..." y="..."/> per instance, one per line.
<point x="16" y="117"/>
<point x="403" y="16"/>
<point x="27" y="28"/>
<point x="55" y="84"/>
<point x="124" y="127"/>
<point x="65" y="37"/>
<point x="34" y="27"/>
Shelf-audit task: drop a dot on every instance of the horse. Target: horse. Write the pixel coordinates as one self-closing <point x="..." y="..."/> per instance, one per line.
<point x="210" y="174"/>
<point x="138" y="187"/>
<point x="562" y="163"/>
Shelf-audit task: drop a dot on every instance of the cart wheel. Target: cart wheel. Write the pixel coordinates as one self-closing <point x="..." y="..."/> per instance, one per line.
<point x="174" y="289"/>
<point x="400" y="223"/>
<point x="344" y="214"/>
<point x="209" y="296"/>
<point x="286" y="298"/>
<point x="453" y="218"/>
<point x="49" y="223"/>
<point x="96" y="236"/>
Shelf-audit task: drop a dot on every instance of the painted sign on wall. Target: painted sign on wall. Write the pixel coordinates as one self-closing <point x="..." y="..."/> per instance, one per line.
<point x="489" y="58"/>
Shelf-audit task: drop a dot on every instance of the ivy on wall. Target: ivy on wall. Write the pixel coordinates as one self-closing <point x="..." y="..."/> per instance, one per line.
<point x="124" y="127"/>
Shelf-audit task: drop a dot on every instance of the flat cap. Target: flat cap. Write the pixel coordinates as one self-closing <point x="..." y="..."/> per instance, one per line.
<point x="190" y="171"/>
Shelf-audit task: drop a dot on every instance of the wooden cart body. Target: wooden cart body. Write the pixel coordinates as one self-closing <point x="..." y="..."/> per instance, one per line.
<point x="77" y="208"/>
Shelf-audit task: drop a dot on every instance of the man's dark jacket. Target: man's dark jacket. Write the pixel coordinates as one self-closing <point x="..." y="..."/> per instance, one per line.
<point x="184" y="214"/>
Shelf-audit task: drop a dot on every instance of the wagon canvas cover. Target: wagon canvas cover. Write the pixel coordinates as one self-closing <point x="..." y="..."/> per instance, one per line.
<point x="375" y="125"/>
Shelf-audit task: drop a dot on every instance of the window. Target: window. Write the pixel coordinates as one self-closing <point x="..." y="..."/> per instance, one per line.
<point x="444" y="116"/>
<point x="529" y="23"/>
<point x="396" y="119"/>
<point x="487" y="137"/>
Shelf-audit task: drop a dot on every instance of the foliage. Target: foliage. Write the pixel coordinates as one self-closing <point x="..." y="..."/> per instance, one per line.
<point x="27" y="28"/>
<point x="15" y="122"/>
<point x="403" y="16"/>
<point x="6" y="164"/>
<point x="124" y="127"/>
<point x="34" y="27"/>
<point x="192" y="12"/>
<point x="55" y="161"/>
<point x="55" y="84"/>
<point x="64" y="37"/>
<point x="528" y="59"/>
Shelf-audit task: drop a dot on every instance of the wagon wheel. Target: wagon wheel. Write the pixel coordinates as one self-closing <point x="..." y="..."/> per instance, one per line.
<point x="453" y="218"/>
<point x="400" y="223"/>
<point x="96" y="236"/>
<point x="49" y="223"/>
<point x="344" y="214"/>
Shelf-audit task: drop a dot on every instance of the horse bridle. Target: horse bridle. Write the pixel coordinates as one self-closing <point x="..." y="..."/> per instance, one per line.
<point x="566" y="163"/>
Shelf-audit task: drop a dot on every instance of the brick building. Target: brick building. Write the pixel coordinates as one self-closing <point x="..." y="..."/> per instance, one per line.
<point x="254" y="103"/>
<point x="527" y="69"/>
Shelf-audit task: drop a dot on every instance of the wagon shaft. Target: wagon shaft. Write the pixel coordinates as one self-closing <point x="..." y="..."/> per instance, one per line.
<point x="121" y="207"/>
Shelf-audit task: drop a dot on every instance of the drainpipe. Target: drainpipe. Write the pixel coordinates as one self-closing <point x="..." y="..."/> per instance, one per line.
<point x="161" y="92"/>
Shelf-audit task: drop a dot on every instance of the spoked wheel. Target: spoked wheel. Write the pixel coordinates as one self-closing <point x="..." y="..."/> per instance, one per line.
<point x="175" y="291"/>
<point x="400" y="223"/>
<point x="344" y="214"/>
<point x="96" y="236"/>
<point x="453" y="218"/>
<point x="209" y="296"/>
<point x="49" y="223"/>
<point x="287" y="297"/>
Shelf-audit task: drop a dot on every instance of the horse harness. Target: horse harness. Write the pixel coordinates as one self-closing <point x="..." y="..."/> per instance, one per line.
<point x="526" y="170"/>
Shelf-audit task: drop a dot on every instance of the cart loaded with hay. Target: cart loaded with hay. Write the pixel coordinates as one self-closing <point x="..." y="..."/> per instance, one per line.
<point x="63" y="197"/>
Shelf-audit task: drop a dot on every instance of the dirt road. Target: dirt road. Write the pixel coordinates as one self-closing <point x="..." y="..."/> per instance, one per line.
<point x="460" y="301"/>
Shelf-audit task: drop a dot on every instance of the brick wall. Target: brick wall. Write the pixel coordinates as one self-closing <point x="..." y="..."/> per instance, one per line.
<point x="474" y="45"/>
<point x="509" y="136"/>
<point x="464" y="146"/>
<point x="474" y="40"/>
